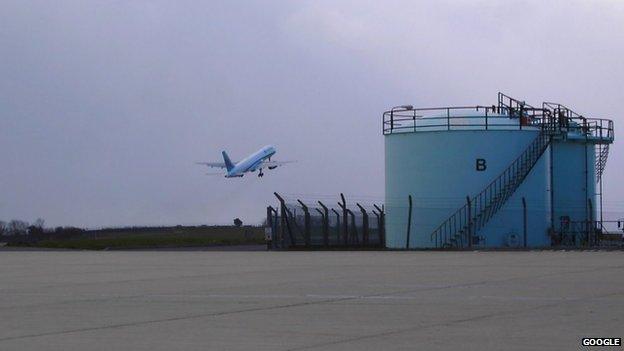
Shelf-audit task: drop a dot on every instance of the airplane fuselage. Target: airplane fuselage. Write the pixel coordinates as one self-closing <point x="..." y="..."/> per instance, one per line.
<point x="252" y="162"/>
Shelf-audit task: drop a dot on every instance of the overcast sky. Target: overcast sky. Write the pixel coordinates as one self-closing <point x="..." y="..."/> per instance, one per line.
<point x="106" y="105"/>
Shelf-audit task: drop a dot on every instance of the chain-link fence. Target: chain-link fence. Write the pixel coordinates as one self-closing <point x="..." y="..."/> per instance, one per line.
<point x="296" y="224"/>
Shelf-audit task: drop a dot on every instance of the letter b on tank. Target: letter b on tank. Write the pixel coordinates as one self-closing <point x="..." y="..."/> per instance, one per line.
<point x="481" y="165"/>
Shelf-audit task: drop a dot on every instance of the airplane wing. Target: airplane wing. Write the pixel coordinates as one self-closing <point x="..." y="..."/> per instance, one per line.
<point x="213" y="164"/>
<point x="273" y="164"/>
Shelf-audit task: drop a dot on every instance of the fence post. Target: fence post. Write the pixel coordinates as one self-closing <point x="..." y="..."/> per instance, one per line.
<point x="343" y="205"/>
<point x="325" y="224"/>
<point x="275" y="227"/>
<point x="469" y="221"/>
<point x="354" y="233"/>
<point x="284" y="214"/>
<point x="269" y="228"/>
<point x="590" y="225"/>
<point x="306" y="223"/>
<point x="282" y="225"/>
<point x="323" y="217"/>
<point x="364" y="225"/>
<point x="409" y="222"/>
<point x="382" y="225"/>
<point x="378" y="223"/>
<point x="524" y="221"/>
<point x="337" y="226"/>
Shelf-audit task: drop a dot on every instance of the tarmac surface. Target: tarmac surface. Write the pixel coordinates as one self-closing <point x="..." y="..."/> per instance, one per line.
<point x="203" y="300"/>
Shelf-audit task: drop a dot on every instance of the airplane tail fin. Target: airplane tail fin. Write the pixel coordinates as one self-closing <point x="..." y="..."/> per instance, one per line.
<point x="228" y="163"/>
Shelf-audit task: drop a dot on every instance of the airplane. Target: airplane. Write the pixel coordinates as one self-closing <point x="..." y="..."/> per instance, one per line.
<point x="256" y="161"/>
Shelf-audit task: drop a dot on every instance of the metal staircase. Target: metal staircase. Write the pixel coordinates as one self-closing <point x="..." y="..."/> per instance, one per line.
<point x="602" y="153"/>
<point x="459" y="230"/>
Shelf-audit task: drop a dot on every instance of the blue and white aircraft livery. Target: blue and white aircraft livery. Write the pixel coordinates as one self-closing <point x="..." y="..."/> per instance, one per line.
<point x="254" y="162"/>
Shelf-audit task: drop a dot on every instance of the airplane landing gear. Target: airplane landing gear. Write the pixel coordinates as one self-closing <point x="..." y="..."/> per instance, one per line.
<point x="260" y="175"/>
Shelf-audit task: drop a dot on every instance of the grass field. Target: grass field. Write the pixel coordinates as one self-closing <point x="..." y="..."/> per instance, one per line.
<point x="155" y="238"/>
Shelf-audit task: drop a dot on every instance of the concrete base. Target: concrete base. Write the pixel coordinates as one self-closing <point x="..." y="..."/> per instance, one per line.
<point x="60" y="300"/>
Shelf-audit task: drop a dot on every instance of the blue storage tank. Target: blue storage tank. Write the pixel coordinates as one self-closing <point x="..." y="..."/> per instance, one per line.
<point x="507" y="175"/>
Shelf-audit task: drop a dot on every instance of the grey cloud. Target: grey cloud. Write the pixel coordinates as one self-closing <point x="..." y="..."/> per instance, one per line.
<point x="106" y="105"/>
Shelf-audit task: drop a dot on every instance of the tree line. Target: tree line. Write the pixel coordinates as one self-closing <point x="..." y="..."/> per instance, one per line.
<point x="16" y="227"/>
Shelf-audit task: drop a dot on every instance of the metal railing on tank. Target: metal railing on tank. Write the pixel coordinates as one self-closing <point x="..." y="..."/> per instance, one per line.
<point x="598" y="129"/>
<point x="405" y="120"/>
<point x="509" y="114"/>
